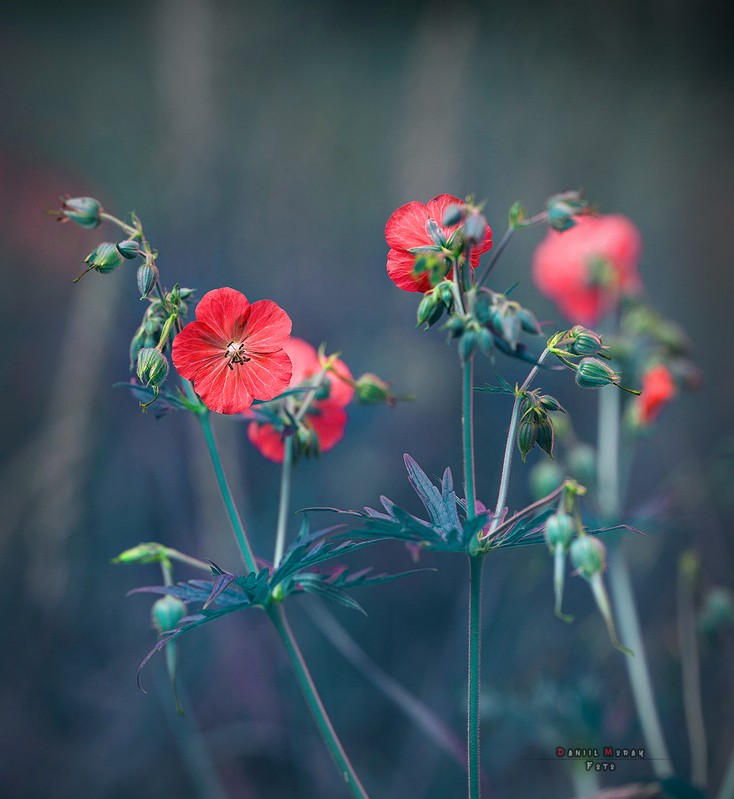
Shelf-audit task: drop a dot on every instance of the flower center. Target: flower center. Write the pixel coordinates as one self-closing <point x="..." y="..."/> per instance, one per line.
<point x="235" y="353"/>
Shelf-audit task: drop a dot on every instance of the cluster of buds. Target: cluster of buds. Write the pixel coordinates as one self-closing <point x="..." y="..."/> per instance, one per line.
<point x="583" y="351"/>
<point x="491" y="320"/>
<point x="535" y="425"/>
<point x="470" y="216"/>
<point x="566" y="537"/>
<point x="562" y="209"/>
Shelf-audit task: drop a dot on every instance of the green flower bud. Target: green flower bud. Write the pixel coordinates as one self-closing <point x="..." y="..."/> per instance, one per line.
<point x="372" y="390"/>
<point x="427" y="307"/>
<point x="486" y="341"/>
<point x="559" y="530"/>
<point x="166" y="613"/>
<point x="582" y="463"/>
<point x="466" y="345"/>
<point x="562" y="208"/>
<point x="129" y="249"/>
<point x="453" y="215"/>
<point x="147" y="278"/>
<point x="550" y="403"/>
<point x="594" y="373"/>
<point x="150" y="552"/>
<point x="445" y="293"/>
<point x="483" y="309"/>
<point x="546" y="437"/>
<point x="306" y="442"/>
<point x="104" y="257"/>
<point x="455" y="326"/>
<point x="152" y="367"/>
<point x="588" y="555"/>
<point x="529" y="322"/>
<point x="527" y="435"/>
<point x="545" y="477"/>
<point x="584" y="342"/>
<point x="85" y="211"/>
<point x="475" y="226"/>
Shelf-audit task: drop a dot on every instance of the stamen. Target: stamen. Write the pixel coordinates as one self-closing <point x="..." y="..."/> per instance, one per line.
<point x="235" y="353"/>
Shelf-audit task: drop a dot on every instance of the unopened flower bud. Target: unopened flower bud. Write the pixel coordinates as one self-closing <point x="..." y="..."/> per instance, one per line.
<point x="588" y="555"/>
<point x="104" y="257"/>
<point x="559" y="529"/>
<point x="475" y="227"/>
<point x="594" y="373"/>
<point x="445" y="293"/>
<point x="527" y="435"/>
<point x="453" y="215"/>
<point x="546" y="438"/>
<point x="550" y="403"/>
<point x="562" y="208"/>
<point x="584" y="342"/>
<point x="152" y="367"/>
<point x="455" y="326"/>
<point x="306" y="441"/>
<point x="372" y="390"/>
<point x="166" y="613"/>
<point x="429" y="309"/>
<point x="529" y="322"/>
<point x="147" y="278"/>
<point x="485" y="340"/>
<point x="466" y="345"/>
<point x="129" y="249"/>
<point x="85" y="211"/>
<point x="483" y="308"/>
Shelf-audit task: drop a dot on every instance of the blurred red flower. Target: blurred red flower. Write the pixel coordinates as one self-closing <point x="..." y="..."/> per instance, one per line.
<point x="658" y="389"/>
<point x="234" y="351"/>
<point x="325" y="417"/>
<point x="585" y="269"/>
<point x="407" y="231"/>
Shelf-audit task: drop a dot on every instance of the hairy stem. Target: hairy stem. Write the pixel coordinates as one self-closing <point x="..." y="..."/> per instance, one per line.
<point x="234" y="515"/>
<point x="284" y="502"/>
<point x="510" y="445"/>
<point x="620" y="583"/>
<point x="467" y="428"/>
<point x="476" y="565"/>
<point x="496" y="255"/>
<point x="313" y="700"/>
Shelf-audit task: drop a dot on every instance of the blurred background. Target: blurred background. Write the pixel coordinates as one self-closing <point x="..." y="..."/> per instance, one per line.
<point x="264" y="145"/>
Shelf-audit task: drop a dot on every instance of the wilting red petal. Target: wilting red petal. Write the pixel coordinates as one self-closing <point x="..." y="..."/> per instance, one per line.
<point x="658" y="389"/>
<point x="267" y="440"/>
<point x="400" y="270"/>
<point x="328" y="422"/>
<point x="268" y="327"/>
<point x="563" y="265"/>
<point x="225" y="311"/>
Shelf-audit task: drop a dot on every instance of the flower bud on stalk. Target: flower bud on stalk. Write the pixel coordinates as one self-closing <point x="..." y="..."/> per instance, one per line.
<point x="475" y="227"/>
<point x="166" y="613"/>
<point x="147" y="278"/>
<point x="584" y="342"/>
<point x="104" y="257"/>
<point x="453" y="215"/>
<point x="129" y="249"/>
<point x="559" y="531"/>
<point x="85" y="211"/>
<point x="594" y="373"/>
<point x="563" y="208"/>
<point x="152" y="370"/>
<point x="527" y="435"/>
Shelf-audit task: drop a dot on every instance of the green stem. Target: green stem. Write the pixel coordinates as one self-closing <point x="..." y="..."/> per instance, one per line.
<point x="467" y="427"/>
<point x="620" y="583"/>
<point x="284" y="502"/>
<point x="510" y="445"/>
<point x="277" y="615"/>
<point x="229" y="503"/>
<point x="496" y="255"/>
<point x="129" y="229"/>
<point x="476" y="565"/>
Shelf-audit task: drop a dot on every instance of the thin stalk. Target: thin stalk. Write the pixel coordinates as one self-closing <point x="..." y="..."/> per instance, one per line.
<point x="284" y="502"/>
<point x="467" y="428"/>
<point x="129" y="229"/>
<point x="620" y="584"/>
<point x="313" y="700"/>
<point x="234" y="515"/>
<point x="496" y="255"/>
<point x="476" y="565"/>
<point x="726" y="791"/>
<point x="691" y="670"/>
<point x="510" y="445"/>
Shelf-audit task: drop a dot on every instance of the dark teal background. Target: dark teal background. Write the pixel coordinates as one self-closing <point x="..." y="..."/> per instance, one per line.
<point x="264" y="145"/>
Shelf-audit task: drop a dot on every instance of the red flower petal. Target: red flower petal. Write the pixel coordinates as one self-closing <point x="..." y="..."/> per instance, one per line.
<point x="268" y="327"/>
<point x="197" y="347"/>
<point x="225" y="311"/>
<point x="265" y="376"/>
<point x="658" y="389"/>
<point x="400" y="271"/>
<point x="406" y="227"/>
<point x="328" y="423"/>
<point x="222" y="389"/>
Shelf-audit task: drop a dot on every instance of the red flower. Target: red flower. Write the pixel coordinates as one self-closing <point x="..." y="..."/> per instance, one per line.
<point x="585" y="269"/>
<point x="325" y="417"/>
<point x="407" y="231"/>
<point x="234" y="351"/>
<point x="658" y="389"/>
